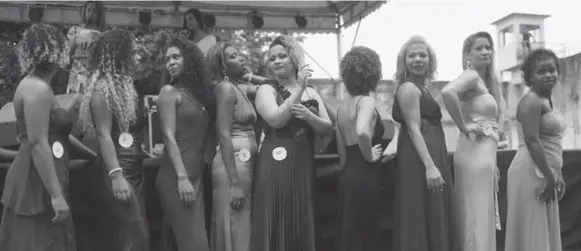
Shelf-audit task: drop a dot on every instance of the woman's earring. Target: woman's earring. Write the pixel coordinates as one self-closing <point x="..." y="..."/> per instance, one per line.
<point x="469" y="65"/>
<point x="226" y="78"/>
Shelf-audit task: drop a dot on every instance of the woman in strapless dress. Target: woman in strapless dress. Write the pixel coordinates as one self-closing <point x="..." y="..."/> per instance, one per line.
<point x="36" y="214"/>
<point x="472" y="101"/>
<point x="535" y="181"/>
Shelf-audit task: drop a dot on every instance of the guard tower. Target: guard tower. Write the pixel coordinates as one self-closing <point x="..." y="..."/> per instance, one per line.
<point x="517" y="35"/>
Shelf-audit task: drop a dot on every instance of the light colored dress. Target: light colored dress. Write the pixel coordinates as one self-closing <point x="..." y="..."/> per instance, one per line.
<point x="532" y="225"/>
<point x="84" y="40"/>
<point x="231" y="229"/>
<point x="475" y="176"/>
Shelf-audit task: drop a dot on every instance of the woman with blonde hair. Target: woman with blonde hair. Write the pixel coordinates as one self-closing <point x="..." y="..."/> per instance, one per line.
<point x="424" y="186"/>
<point x="283" y="205"/>
<point x="474" y="103"/>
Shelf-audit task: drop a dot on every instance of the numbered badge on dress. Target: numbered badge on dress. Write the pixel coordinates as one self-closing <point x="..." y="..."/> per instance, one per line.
<point x="244" y="155"/>
<point x="58" y="150"/>
<point x="125" y="140"/>
<point x="279" y="153"/>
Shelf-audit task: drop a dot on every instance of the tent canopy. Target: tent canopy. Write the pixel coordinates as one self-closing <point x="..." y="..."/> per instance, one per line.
<point x="321" y="16"/>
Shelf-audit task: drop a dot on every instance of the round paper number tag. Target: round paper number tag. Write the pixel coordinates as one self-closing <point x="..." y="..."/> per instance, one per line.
<point x="125" y="140"/>
<point x="244" y="155"/>
<point x="279" y="153"/>
<point x="58" y="150"/>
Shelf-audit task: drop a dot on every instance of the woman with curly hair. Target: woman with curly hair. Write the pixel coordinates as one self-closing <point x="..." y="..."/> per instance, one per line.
<point x="194" y="29"/>
<point x="535" y="181"/>
<point x="282" y="216"/>
<point x="185" y="114"/>
<point x="82" y="39"/>
<point x="112" y="110"/>
<point x="359" y="137"/>
<point x="474" y="103"/>
<point x="36" y="214"/>
<point x="233" y="164"/>
<point x="424" y="187"/>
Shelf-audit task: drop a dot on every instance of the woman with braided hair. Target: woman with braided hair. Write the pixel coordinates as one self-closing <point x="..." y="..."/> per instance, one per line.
<point x="282" y="216"/>
<point x="112" y="110"/>
<point x="36" y="214"/>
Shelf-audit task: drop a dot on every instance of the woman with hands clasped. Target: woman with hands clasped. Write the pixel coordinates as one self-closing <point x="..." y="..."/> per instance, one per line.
<point x="282" y="216"/>
<point x="424" y="188"/>
<point x="473" y="101"/>
<point x="234" y="162"/>
<point x="359" y="134"/>
<point x="185" y="109"/>
<point x="535" y="181"/>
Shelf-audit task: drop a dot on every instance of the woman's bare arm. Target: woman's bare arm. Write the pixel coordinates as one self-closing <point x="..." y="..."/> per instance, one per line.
<point x="322" y="123"/>
<point x="468" y="80"/>
<point x="226" y="96"/>
<point x="167" y="100"/>
<point x="103" y="119"/>
<point x="274" y="115"/>
<point x="529" y="112"/>
<point x="37" y="104"/>
<point x="365" y="125"/>
<point x="408" y="97"/>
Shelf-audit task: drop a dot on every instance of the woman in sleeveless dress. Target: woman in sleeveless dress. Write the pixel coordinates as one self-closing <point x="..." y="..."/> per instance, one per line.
<point x="424" y="187"/>
<point x="82" y="38"/>
<point x="194" y="29"/>
<point x="112" y="110"/>
<point x="283" y="207"/>
<point x="535" y="182"/>
<point x="472" y="101"/>
<point x="36" y="214"/>
<point x="184" y="120"/>
<point x="359" y="135"/>
<point x="233" y="165"/>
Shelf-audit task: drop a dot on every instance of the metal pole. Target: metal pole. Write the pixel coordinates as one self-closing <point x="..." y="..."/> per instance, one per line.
<point x="341" y="88"/>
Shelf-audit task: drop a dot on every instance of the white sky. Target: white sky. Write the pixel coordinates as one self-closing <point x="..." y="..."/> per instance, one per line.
<point x="445" y="24"/>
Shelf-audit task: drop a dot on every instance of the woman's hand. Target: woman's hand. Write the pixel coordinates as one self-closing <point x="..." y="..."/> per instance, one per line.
<point x="238" y="197"/>
<point x="434" y="179"/>
<point x="376" y="152"/>
<point x="186" y="190"/>
<point x="301" y="112"/>
<point x="473" y="128"/>
<point x="120" y="188"/>
<point x="60" y="208"/>
<point x="304" y="74"/>
<point x="389" y="153"/>
<point x="548" y="193"/>
<point x="560" y="186"/>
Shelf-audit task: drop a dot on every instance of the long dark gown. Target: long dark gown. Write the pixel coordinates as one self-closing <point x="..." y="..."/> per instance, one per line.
<point x="27" y="218"/>
<point x="359" y="192"/>
<point x="282" y="216"/>
<point x="127" y="220"/>
<point x="424" y="219"/>
<point x="186" y="221"/>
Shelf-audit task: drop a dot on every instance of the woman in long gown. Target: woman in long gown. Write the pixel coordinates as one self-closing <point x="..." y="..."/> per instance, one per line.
<point x="359" y="135"/>
<point x="112" y="110"/>
<point x="233" y="165"/>
<point x="473" y="103"/>
<point x="185" y="118"/>
<point x="424" y="187"/>
<point x="283" y="207"/>
<point x="535" y="181"/>
<point x="36" y="214"/>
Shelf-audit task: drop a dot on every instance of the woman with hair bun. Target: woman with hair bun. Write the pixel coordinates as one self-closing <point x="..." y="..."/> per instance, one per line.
<point x="535" y="181"/>
<point x="36" y="214"/>
<point x="359" y="135"/>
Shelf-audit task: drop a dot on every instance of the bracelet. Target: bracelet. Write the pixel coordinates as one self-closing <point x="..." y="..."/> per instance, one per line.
<point x="114" y="170"/>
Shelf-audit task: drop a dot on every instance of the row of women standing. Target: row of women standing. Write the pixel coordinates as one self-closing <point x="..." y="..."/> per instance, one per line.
<point x="263" y="196"/>
<point x="439" y="208"/>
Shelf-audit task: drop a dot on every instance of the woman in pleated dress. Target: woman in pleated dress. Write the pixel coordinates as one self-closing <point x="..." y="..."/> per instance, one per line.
<point x="283" y="207"/>
<point x="535" y="180"/>
<point x="473" y="103"/>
